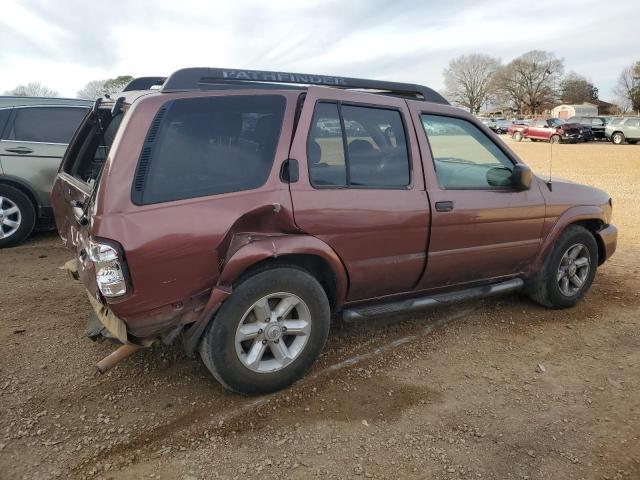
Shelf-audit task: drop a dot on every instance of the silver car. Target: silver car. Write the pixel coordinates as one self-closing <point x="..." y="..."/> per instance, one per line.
<point x="34" y="133"/>
<point x="621" y="129"/>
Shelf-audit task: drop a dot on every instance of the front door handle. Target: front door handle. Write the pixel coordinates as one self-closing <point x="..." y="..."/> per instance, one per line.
<point x="445" y="206"/>
<point x="20" y="150"/>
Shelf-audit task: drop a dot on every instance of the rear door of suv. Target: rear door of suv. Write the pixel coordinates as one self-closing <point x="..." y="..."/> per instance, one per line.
<point x="361" y="188"/>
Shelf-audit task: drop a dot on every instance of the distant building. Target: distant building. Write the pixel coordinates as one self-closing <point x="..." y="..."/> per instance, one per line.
<point x="568" y="111"/>
<point x="606" y="108"/>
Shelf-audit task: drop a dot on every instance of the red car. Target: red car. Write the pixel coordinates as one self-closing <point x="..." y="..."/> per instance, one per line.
<point x="553" y="130"/>
<point x="239" y="215"/>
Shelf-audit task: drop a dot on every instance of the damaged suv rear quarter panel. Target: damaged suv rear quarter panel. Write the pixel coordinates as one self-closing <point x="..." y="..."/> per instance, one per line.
<point x="174" y="250"/>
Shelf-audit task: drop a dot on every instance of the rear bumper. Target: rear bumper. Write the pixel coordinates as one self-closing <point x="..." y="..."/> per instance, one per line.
<point x="116" y="326"/>
<point x="608" y="237"/>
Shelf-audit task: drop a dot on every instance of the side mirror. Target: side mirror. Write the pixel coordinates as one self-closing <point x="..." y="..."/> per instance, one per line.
<point x="521" y="176"/>
<point x="500" y="177"/>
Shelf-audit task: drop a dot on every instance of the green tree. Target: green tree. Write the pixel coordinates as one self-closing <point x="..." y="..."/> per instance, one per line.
<point x="577" y="89"/>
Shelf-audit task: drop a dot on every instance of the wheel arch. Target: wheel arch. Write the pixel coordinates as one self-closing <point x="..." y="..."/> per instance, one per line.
<point x="23" y="187"/>
<point x="590" y="217"/>
<point x="258" y="252"/>
<point x="301" y="251"/>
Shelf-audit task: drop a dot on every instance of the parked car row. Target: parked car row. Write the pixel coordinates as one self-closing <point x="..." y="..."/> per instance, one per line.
<point x="617" y="130"/>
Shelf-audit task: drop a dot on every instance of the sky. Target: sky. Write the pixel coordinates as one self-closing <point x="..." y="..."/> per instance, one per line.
<point x="66" y="43"/>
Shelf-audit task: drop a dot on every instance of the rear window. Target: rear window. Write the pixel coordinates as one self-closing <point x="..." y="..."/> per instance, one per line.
<point x="208" y="146"/>
<point x="45" y="124"/>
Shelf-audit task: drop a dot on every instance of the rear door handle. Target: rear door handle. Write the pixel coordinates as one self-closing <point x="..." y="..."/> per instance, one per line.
<point x="20" y="150"/>
<point x="445" y="206"/>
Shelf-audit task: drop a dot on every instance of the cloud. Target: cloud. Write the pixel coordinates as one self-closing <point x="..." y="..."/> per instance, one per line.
<point x="66" y="43"/>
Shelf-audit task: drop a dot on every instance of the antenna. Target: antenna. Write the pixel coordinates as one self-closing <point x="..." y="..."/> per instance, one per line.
<point x="549" y="182"/>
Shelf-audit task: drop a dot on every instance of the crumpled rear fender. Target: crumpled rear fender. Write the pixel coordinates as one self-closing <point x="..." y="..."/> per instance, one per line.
<point x="247" y="250"/>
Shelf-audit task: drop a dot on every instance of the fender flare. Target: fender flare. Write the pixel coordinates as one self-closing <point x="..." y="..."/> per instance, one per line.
<point x="255" y="248"/>
<point x="569" y="216"/>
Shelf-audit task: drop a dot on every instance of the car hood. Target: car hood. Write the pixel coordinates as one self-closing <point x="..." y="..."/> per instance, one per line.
<point x="568" y="194"/>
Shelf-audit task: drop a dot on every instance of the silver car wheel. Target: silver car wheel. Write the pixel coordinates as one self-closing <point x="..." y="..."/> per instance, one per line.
<point x="273" y="332"/>
<point x="10" y="217"/>
<point x="574" y="269"/>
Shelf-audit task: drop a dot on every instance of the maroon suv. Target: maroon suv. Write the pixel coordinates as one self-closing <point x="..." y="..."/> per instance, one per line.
<point x="240" y="209"/>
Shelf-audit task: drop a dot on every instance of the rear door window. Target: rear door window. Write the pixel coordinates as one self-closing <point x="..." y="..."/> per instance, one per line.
<point x="463" y="156"/>
<point x="354" y="146"/>
<point x="45" y="124"/>
<point x="209" y="146"/>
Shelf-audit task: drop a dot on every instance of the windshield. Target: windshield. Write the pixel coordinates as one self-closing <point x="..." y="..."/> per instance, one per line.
<point x="556" y="122"/>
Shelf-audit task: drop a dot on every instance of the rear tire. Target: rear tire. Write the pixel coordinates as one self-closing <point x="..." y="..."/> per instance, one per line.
<point x="17" y="216"/>
<point x="617" y="138"/>
<point x="517" y="136"/>
<point x="245" y="347"/>
<point x="562" y="281"/>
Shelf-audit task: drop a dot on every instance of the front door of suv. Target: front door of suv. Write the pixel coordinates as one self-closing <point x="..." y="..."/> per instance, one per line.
<point x="539" y="130"/>
<point x="482" y="228"/>
<point x="361" y="188"/>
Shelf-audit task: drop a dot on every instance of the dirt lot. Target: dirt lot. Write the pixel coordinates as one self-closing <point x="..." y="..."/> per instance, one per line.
<point x="452" y="393"/>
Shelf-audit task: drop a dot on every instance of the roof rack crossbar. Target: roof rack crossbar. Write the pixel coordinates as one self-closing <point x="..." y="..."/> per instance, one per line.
<point x="143" y="83"/>
<point x="196" y="78"/>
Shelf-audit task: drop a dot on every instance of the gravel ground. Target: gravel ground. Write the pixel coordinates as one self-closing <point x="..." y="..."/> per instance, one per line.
<point x="496" y="389"/>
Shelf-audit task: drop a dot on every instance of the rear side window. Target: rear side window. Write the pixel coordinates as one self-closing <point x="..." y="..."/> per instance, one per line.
<point x="632" y="122"/>
<point x="4" y="116"/>
<point x="357" y="147"/>
<point x="207" y="146"/>
<point x="45" y="124"/>
<point x="463" y="156"/>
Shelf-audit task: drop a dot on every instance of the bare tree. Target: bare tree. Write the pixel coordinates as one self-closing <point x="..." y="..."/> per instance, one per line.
<point x="99" y="88"/>
<point x="577" y="89"/>
<point x="628" y="88"/>
<point x="33" y="89"/>
<point x="531" y="81"/>
<point x="469" y="80"/>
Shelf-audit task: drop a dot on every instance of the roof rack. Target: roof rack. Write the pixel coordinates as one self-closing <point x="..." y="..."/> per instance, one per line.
<point x="143" y="83"/>
<point x="198" y="78"/>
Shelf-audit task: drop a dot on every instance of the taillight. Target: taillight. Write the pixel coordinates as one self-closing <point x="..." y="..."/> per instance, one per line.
<point x="109" y="274"/>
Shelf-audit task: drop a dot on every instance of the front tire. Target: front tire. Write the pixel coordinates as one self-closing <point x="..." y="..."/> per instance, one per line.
<point x="269" y="332"/>
<point x="568" y="271"/>
<point x="555" y="139"/>
<point x="517" y="136"/>
<point x="17" y="216"/>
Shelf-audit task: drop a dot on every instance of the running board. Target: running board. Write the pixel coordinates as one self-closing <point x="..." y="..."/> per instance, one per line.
<point x="421" y="303"/>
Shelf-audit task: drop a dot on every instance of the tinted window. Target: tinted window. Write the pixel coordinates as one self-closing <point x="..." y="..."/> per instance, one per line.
<point x="325" y="148"/>
<point x="45" y="124"/>
<point x="208" y="146"/>
<point x="376" y="147"/>
<point x="616" y="121"/>
<point x="4" y="116"/>
<point x="464" y="157"/>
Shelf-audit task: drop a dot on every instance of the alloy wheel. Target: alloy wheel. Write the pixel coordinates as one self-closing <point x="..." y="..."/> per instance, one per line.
<point x="573" y="269"/>
<point x="273" y="332"/>
<point x="10" y="217"/>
